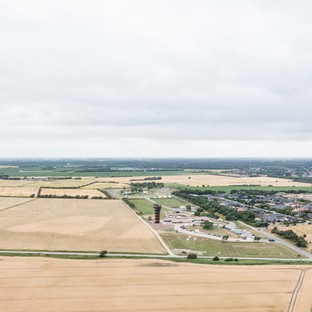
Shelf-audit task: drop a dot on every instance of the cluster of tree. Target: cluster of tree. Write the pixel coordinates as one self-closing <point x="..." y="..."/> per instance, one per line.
<point x="65" y="196"/>
<point x="231" y="259"/>
<point x="192" y="256"/>
<point x="138" y="187"/>
<point x="291" y="235"/>
<point x="287" y="210"/>
<point x="213" y="208"/>
<point x="152" y="178"/>
<point x="103" y="253"/>
<point x="207" y="225"/>
<point x="256" y="192"/>
<point x="202" y="192"/>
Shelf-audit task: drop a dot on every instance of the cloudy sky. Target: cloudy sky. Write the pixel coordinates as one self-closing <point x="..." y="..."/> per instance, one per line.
<point x="165" y="78"/>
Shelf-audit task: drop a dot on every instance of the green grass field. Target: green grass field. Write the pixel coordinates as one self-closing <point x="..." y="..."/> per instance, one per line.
<point x="227" y="189"/>
<point x="63" y="172"/>
<point x="145" y="207"/>
<point x="170" y="202"/>
<point x="229" y="249"/>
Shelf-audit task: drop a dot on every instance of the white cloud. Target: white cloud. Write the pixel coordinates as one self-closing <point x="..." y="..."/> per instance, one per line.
<point x="106" y="78"/>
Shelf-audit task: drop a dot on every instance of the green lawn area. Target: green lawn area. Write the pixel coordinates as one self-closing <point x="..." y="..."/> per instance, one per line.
<point x="227" y="189"/>
<point x="145" y="207"/>
<point x="170" y="202"/>
<point x="229" y="249"/>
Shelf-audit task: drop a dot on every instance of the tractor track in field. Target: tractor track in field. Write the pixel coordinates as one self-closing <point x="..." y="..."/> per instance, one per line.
<point x="296" y="291"/>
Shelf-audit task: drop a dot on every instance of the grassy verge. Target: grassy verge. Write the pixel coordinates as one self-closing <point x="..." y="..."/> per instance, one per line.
<point x="180" y="260"/>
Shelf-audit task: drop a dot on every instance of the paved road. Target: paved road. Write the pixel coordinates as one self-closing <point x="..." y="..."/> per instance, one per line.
<point x="281" y="241"/>
<point x="285" y="243"/>
<point x="162" y="242"/>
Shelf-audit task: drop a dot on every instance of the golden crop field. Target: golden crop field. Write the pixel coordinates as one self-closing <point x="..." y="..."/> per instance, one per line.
<point x="15" y="183"/>
<point x="214" y="180"/>
<point x="104" y="185"/>
<point x="71" y="192"/>
<point x="58" y="285"/>
<point x="63" y="182"/>
<point x="217" y="180"/>
<point x="7" y="202"/>
<point x="18" y="191"/>
<point x="76" y="225"/>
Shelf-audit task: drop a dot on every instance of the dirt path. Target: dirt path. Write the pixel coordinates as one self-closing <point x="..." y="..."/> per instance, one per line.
<point x="293" y="299"/>
<point x="301" y="297"/>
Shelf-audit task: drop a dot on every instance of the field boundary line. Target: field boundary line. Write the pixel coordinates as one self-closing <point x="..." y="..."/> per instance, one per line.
<point x="20" y="204"/>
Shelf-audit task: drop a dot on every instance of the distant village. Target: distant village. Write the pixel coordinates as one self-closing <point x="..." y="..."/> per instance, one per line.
<point x="279" y="207"/>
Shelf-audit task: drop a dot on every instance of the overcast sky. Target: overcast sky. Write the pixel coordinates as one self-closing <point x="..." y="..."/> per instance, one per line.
<point x="155" y="78"/>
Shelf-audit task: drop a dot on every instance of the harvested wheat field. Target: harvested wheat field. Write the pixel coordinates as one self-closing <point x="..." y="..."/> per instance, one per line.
<point x="8" y="202"/>
<point x="18" y="191"/>
<point x="71" y="192"/>
<point x="63" y="182"/>
<point x="40" y="284"/>
<point x="104" y="185"/>
<point x="76" y="225"/>
<point x="15" y="183"/>
<point x="216" y="180"/>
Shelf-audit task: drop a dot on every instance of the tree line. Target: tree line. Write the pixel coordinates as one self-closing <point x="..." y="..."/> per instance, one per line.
<point x="300" y="241"/>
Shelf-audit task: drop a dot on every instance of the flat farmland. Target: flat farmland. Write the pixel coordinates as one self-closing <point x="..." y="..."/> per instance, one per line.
<point x="63" y="182"/>
<point x="15" y="183"/>
<point x="71" y="192"/>
<point x="56" y="285"/>
<point x="104" y="185"/>
<point x="217" y="180"/>
<point x="75" y="225"/>
<point x="18" y="191"/>
<point x="7" y="202"/>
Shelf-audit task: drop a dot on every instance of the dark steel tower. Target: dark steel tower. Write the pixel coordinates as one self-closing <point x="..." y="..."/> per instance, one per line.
<point x="157" y="209"/>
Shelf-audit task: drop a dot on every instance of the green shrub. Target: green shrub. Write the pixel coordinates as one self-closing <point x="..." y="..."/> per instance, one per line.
<point x="192" y="256"/>
<point x="103" y="253"/>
